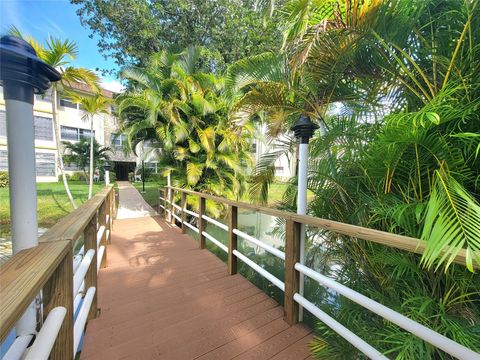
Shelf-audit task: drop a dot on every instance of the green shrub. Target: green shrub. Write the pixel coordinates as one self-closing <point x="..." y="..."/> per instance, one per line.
<point x="78" y="176"/>
<point x="113" y="177"/>
<point x="3" y="179"/>
<point x="156" y="178"/>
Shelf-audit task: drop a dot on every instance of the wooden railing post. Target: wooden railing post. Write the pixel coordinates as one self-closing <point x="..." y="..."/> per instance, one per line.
<point x="292" y="276"/>
<point x="184" y="214"/>
<point x="103" y="241"/>
<point x="58" y="291"/>
<point x="232" y="239"/>
<point x="112" y="208"/>
<point x="165" y="203"/>
<point x="172" y="208"/>
<point x="90" y="237"/>
<point x="201" y="221"/>
<point x="108" y="208"/>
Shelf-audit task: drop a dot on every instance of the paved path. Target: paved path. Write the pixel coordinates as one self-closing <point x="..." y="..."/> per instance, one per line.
<point x="131" y="203"/>
<point x="161" y="297"/>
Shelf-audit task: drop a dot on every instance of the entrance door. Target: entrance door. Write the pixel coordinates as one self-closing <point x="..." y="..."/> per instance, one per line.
<point x="122" y="168"/>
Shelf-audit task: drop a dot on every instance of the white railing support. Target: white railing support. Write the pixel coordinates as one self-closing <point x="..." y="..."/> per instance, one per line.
<point x="82" y="317"/>
<point x="43" y="344"/>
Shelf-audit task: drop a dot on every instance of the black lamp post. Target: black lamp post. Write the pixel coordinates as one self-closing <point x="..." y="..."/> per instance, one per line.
<point x="303" y="129"/>
<point x="143" y="175"/>
<point x="106" y="168"/>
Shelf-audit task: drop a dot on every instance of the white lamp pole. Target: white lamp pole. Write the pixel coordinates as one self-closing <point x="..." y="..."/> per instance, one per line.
<point x="22" y="73"/>
<point x="106" y="167"/>
<point x="303" y="130"/>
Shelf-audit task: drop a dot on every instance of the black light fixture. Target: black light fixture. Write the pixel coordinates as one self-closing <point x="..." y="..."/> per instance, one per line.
<point x="107" y="166"/>
<point x="304" y="129"/>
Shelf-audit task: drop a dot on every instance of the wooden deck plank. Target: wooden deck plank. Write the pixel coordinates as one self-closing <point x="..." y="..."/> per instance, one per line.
<point x="161" y="297"/>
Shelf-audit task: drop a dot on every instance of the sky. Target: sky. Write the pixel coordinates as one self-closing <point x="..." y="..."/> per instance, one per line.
<point x="44" y="18"/>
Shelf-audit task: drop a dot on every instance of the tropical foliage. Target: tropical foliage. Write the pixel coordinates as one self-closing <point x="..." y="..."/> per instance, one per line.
<point x="60" y="54"/>
<point x="180" y="115"/>
<point x="78" y="153"/>
<point x="92" y="106"/>
<point x="395" y="86"/>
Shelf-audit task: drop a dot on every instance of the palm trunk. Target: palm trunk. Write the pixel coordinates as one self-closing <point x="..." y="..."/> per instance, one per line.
<point x="56" y="127"/>
<point x="90" y="185"/>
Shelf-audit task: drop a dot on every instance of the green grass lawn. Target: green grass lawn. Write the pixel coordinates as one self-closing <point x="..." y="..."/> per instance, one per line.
<point x="151" y="192"/>
<point x="52" y="203"/>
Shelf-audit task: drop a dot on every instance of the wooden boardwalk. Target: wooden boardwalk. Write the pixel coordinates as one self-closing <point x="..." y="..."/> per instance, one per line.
<point x="164" y="298"/>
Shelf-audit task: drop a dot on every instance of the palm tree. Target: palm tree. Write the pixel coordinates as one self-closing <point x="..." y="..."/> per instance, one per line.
<point x="79" y="153"/>
<point x="59" y="54"/>
<point x="92" y="106"/>
<point x="183" y="113"/>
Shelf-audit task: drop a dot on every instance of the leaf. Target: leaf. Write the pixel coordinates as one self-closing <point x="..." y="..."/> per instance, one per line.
<point x="194" y="172"/>
<point x="452" y="223"/>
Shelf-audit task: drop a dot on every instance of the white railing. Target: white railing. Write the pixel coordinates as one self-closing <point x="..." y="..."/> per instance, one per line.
<point x="434" y="338"/>
<point x="45" y="339"/>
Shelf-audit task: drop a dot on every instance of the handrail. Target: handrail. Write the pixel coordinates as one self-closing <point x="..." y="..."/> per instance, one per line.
<point x="49" y="269"/>
<point x="401" y="242"/>
<point x="293" y="268"/>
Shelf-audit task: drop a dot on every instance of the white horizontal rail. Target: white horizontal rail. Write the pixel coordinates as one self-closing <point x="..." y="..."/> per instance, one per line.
<point x="275" y="281"/>
<point x="108" y="235"/>
<point x="215" y="222"/>
<point x="341" y="330"/>
<point x="17" y="349"/>
<point x="186" y="223"/>
<point x="442" y="342"/>
<point x="107" y="218"/>
<point x="82" y="271"/>
<point x="168" y="201"/>
<point x="177" y="217"/>
<point x="101" y="251"/>
<point x="45" y="339"/>
<point x="77" y="259"/>
<point x="77" y="301"/>
<point x="100" y="231"/>
<point x="278" y="253"/>
<point x="215" y="241"/>
<point x="161" y="198"/>
<point x="163" y="207"/>
<point x="191" y="213"/>
<point x="176" y="206"/>
<point x="81" y="319"/>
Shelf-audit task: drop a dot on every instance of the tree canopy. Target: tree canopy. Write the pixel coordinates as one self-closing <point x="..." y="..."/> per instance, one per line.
<point x="132" y="30"/>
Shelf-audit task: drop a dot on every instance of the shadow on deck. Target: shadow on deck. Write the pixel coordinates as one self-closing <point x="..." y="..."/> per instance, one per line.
<point x="164" y="298"/>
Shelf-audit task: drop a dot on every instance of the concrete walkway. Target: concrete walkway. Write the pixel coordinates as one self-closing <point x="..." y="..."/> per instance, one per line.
<point x="131" y="204"/>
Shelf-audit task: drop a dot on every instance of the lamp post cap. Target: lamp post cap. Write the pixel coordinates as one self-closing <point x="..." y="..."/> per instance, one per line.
<point x="20" y="65"/>
<point x="304" y="128"/>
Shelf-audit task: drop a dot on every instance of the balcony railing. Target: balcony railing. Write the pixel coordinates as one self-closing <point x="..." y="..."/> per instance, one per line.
<point x="293" y="269"/>
<point x="64" y="280"/>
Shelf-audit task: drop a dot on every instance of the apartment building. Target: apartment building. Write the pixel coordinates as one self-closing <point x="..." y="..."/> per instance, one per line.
<point x="72" y="128"/>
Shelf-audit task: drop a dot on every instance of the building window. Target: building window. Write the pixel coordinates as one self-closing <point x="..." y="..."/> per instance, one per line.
<point x="3" y="124"/>
<point x="43" y="128"/>
<point x="65" y="102"/>
<point x="45" y="164"/>
<point x="279" y="169"/>
<point x="118" y="140"/>
<point x="74" y="134"/>
<point x="3" y="160"/>
<point x="72" y="167"/>
<point x="47" y="97"/>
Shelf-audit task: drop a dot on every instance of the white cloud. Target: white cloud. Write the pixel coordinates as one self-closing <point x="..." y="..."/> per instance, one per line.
<point x="112" y="85"/>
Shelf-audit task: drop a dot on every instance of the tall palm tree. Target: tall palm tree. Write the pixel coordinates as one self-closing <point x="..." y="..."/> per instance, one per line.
<point x="183" y="113"/>
<point x="60" y="54"/>
<point x="92" y="106"/>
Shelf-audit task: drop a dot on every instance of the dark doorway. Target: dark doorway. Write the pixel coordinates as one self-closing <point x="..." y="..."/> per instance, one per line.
<point x="122" y="168"/>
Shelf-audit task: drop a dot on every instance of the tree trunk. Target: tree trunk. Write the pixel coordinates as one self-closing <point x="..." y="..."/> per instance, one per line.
<point x="90" y="185"/>
<point x="56" y="127"/>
